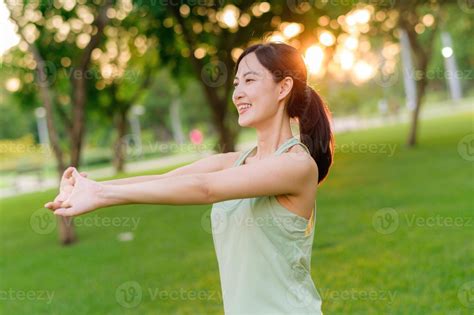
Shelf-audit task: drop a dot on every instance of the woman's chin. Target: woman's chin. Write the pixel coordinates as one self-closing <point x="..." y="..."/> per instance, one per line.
<point x="244" y="122"/>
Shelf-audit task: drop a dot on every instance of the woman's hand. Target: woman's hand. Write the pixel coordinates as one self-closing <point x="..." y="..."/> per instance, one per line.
<point x="65" y="189"/>
<point x="77" y="195"/>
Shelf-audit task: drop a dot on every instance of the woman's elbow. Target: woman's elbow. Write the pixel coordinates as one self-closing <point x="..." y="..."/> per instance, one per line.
<point x="203" y="188"/>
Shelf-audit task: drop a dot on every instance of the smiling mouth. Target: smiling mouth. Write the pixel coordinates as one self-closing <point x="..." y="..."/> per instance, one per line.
<point x="242" y="109"/>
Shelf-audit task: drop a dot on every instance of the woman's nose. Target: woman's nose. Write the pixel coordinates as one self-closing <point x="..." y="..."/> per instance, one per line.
<point x="238" y="93"/>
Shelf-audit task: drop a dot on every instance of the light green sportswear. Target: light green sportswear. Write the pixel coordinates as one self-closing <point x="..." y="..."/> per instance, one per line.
<point x="264" y="254"/>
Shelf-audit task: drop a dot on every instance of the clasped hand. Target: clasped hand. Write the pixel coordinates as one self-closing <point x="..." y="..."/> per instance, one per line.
<point x="77" y="194"/>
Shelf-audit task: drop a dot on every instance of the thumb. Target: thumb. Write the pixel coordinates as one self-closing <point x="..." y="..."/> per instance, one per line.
<point x="76" y="174"/>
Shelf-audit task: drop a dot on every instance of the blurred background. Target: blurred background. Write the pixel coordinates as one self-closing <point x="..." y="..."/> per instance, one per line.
<point x="124" y="88"/>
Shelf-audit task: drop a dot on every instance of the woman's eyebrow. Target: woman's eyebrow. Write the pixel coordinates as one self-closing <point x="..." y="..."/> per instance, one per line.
<point x="248" y="72"/>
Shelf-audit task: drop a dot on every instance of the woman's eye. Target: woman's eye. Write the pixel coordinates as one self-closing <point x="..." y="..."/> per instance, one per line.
<point x="234" y="84"/>
<point x="249" y="80"/>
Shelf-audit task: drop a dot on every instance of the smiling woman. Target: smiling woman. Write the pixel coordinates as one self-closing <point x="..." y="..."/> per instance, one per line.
<point x="263" y="212"/>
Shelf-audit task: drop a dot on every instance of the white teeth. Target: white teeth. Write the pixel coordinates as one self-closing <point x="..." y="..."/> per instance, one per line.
<point x="242" y="107"/>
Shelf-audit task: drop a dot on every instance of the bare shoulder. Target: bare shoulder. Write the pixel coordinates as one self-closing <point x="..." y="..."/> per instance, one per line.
<point x="303" y="160"/>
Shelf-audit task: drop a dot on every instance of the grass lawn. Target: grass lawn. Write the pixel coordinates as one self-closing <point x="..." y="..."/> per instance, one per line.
<point x="392" y="237"/>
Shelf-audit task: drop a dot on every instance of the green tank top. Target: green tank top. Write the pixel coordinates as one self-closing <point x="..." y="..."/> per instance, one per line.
<point x="264" y="254"/>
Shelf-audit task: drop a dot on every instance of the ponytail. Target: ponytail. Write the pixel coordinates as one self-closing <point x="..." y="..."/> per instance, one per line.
<point x="315" y="131"/>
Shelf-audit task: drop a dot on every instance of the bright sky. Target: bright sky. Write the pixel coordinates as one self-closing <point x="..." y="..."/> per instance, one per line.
<point x="8" y="36"/>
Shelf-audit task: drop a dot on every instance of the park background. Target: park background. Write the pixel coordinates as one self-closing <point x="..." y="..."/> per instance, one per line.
<point x="123" y="88"/>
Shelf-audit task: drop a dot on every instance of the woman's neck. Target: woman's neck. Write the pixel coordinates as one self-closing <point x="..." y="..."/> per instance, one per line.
<point x="269" y="140"/>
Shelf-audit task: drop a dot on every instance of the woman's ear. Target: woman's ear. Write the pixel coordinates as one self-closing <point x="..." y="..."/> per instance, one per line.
<point x="285" y="87"/>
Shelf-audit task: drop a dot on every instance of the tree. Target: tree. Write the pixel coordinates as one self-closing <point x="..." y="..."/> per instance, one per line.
<point x="410" y="16"/>
<point x="124" y="75"/>
<point x="37" y="25"/>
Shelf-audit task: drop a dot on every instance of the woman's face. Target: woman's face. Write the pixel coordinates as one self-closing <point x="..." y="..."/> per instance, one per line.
<point x="254" y="85"/>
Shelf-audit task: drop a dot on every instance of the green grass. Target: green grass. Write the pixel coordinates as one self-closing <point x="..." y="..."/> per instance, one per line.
<point x="359" y="266"/>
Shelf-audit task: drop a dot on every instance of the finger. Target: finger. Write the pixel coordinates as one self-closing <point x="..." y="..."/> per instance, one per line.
<point x="53" y="205"/>
<point x="62" y="212"/>
<point x="65" y="204"/>
<point x="50" y="205"/>
<point x="67" y="173"/>
<point x="76" y="174"/>
<point x="56" y="204"/>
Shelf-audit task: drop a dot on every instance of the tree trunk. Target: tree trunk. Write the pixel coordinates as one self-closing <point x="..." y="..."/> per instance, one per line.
<point x="420" y="92"/>
<point x="65" y="225"/>
<point x="120" y="144"/>
<point x="78" y="119"/>
<point x="67" y="234"/>
<point x="226" y="141"/>
<point x="226" y="137"/>
<point x="422" y="53"/>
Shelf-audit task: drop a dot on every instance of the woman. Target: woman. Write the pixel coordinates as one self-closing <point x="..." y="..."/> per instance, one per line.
<point x="263" y="211"/>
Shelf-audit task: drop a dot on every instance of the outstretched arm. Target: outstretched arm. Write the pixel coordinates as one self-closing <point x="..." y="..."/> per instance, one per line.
<point x="208" y="164"/>
<point x="285" y="174"/>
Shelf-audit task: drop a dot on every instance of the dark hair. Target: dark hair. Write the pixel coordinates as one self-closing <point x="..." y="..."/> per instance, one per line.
<point x="313" y="115"/>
